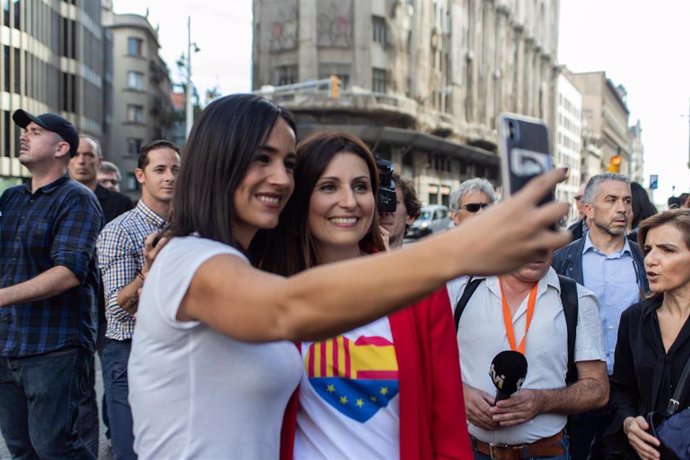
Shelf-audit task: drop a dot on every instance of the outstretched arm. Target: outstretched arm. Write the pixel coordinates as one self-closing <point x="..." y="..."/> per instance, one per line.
<point x="248" y="304"/>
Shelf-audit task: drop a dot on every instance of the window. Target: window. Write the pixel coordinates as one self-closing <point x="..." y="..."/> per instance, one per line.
<point x="135" y="80"/>
<point x="135" y="46"/>
<point x="378" y="26"/>
<point x="68" y="42"/>
<point x="133" y="146"/>
<point x="286" y="75"/>
<point x="135" y="113"/>
<point x="379" y="81"/>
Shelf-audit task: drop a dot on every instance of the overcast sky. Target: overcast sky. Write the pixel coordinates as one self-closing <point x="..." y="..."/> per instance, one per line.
<point x="640" y="44"/>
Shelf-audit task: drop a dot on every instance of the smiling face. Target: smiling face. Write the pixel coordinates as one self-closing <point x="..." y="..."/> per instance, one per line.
<point x="267" y="185"/>
<point x="667" y="259"/>
<point x="341" y="207"/>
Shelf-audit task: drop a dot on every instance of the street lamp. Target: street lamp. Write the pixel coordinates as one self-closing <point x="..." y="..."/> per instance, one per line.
<point x="189" y="116"/>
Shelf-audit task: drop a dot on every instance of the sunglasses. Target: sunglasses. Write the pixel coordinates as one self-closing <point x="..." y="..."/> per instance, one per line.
<point x="474" y="207"/>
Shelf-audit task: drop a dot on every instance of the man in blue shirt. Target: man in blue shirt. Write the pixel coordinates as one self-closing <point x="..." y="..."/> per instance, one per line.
<point x="48" y="231"/>
<point x="611" y="266"/>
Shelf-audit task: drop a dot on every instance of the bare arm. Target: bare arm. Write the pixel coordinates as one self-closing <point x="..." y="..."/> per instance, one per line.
<point x="248" y="304"/>
<point x="48" y="284"/>
<point x="590" y="391"/>
<point x="128" y="297"/>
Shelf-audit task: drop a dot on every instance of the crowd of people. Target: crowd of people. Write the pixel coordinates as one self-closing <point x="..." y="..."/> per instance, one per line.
<point x="257" y="303"/>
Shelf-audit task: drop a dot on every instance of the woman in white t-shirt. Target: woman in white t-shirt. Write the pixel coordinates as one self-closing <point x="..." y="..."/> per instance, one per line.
<point x="210" y="372"/>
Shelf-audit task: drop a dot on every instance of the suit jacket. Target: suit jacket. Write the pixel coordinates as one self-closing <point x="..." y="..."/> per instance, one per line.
<point x="568" y="261"/>
<point x="112" y="203"/>
<point x="433" y="424"/>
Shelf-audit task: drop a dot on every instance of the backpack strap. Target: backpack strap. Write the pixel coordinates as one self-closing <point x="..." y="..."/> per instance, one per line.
<point x="470" y="287"/>
<point x="570" y="310"/>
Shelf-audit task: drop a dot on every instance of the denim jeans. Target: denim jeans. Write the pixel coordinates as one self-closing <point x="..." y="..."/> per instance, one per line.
<point x="114" y="361"/>
<point x="39" y="401"/>
<point x="87" y="421"/>
<point x="563" y="442"/>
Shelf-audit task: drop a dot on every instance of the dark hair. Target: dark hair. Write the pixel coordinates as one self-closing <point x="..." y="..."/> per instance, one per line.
<point x="289" y="248"/>
<point x="409" y="194"/>
<point x="642" y="207"/>
<point x="143" y="159"/>
<point x="220" y="148"/>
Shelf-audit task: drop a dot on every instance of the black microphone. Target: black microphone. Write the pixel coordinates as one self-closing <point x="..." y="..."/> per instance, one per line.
<point x="508" y="371"/>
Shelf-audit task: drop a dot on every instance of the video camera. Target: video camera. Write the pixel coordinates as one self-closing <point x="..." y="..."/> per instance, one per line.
<point x="386" y="199"/>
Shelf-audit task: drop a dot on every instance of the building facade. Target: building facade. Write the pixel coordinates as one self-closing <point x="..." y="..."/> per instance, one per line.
<point x="422" y="82"/>
<point x="141" y="106"/>
<point x="606" y="116"/>
<point x="567" y="137"/>
<point x="636" y="170"/>
<point x="52" y="61"/>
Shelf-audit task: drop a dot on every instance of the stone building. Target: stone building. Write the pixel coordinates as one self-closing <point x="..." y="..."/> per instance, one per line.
<point x="567" y="137"/>
<point x="636" y="169"/>
<point x="52" y="61"/>
<point x="140" y="93"/>
<point x="422" y="82"/>
<point x="606" y="116"/>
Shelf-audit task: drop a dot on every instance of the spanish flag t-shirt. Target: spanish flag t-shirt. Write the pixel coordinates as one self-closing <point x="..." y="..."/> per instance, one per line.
<point x="349" y="405"/>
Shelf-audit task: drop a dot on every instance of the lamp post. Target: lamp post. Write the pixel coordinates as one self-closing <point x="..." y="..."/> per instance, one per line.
<point x="189" y="113"/>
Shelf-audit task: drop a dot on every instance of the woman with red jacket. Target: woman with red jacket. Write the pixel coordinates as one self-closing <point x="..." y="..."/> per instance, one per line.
<point x="388" y="389"/>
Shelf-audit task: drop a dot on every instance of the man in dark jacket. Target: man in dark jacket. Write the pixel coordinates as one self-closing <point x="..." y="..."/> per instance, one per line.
<point x="610" y="265"/>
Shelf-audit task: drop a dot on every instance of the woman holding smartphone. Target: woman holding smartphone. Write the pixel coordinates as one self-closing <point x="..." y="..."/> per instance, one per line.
<point x="211" y="368"/>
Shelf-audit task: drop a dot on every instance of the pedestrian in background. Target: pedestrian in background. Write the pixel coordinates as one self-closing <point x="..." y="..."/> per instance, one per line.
<point x="48" y="231"/>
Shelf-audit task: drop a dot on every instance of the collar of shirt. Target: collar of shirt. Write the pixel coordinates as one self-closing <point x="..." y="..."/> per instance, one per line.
<point x="49" y="188"/>
<point x="151" y="216"/>
<point x="589" y="246"/>
<point x="549" y="279"/>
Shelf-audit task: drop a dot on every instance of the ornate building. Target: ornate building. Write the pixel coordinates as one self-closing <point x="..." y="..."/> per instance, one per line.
<point x="421" y="81"/>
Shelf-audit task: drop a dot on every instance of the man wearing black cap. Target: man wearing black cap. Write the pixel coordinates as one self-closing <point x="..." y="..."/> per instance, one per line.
<point x="48" y="231"/>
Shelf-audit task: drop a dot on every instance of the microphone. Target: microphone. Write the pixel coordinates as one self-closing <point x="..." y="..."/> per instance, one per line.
<point x="507" y="372"/>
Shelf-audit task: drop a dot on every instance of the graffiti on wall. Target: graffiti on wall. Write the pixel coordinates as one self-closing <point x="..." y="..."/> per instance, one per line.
<point x="283" y="26"/>
<point x="334" y="24"/>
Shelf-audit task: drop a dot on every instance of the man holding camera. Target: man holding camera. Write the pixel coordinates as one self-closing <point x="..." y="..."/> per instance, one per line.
<point x="406" y="210"/>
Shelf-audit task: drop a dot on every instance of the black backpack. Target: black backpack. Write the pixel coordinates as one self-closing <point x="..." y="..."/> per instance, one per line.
<point x="570" y="308"/>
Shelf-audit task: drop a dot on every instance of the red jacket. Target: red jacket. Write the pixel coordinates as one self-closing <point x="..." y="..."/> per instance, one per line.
<point x="432" y="409"/>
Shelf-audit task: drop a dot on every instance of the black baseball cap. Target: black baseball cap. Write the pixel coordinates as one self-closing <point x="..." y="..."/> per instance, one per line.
<point x="52" y="122"/>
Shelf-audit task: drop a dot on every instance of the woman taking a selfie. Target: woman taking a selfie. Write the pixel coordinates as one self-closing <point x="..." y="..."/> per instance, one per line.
<point x="654" y="335"/>
<point x="211" y="368"/>
<point x="387" y="389"/>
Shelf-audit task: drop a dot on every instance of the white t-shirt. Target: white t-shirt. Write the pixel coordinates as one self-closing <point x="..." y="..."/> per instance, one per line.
<point x="196" y="393"/>
<point x="349" y="405"/>
<point x="482" y="335"/>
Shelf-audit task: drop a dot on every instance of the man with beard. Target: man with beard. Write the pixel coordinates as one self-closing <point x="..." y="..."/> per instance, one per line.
<point x="610" y="265"/>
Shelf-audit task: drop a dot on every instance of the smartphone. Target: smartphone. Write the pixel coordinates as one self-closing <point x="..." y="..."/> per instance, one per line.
<point x="524" y="148"/>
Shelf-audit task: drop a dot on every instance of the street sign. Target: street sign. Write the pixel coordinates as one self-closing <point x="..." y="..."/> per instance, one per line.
<point x="653" y="181"/>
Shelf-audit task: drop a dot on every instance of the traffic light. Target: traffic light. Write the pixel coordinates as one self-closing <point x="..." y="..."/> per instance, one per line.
<point x="335" y="87"/>
<point x="615" y="164"/>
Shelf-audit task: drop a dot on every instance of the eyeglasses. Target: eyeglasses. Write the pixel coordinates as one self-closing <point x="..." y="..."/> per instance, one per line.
<point x="474" y="207"/>
<point x="578" y="197"/>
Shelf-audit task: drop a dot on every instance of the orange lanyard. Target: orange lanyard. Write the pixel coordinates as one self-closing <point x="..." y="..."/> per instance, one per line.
<point x="508" y="320"/>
